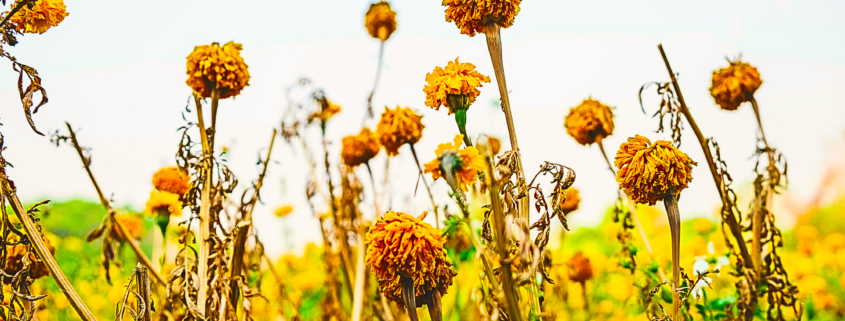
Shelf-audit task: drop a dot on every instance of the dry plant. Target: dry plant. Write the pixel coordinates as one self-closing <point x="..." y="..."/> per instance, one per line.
<point x="141" y="294"/>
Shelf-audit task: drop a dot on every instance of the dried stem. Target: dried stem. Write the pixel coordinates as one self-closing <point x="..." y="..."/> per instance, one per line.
<point x="757" y="218"/>
<point x="427" y="187"/>
<point x="369" y="113"/>
<point x="360" y="276"/>
<point x="205" y="203"/>
<point x="145" y="293"/>
<point x="409" y="297"/>
<point x="346" y="267"/>
<point x="671" y="203"/>
<point x="376" y="203"/>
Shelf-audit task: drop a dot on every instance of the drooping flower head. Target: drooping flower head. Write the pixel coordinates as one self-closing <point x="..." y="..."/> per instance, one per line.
<point x="359" y="149"/>
<point x="14" y="260"/>
<point x="454" y="87"/>
<point x="283" y="211"/>
<point x="173" y="180"/>
<point x="580" y="268"/>
<point x="589" y="122"/>
<point x="734" y="84"/>
<point x="133" y="225"/>
<point x="472" y="16"/>
<point x="38" y="16"/>
<point x="380" y="20"/>
<point x="398" y="127"/>
<point x="402" y="245"/>
<point x="649" y="172"/>
<point x="465" y="163"/>
<point x="163" y="204"/>
<point x="213" y="67"/>
<point x="573" y="199"/>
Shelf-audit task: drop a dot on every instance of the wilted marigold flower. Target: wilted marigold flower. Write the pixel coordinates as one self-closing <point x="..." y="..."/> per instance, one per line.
<point x="133" y="225"/>
<point x="283" y="211"/>
<point x="213" y="67"/>
<point x="649" y="172"/>
<point x="573" y="199"/>
<point x="471" y="162"/>
<point x="589" y="122"/>
<point x="14" y="260"/>
<point x="398" y="127"/>
<point x="380" y="20"/>
<point x="327" y="110"/>
<point x="402" y="245"/>
<point x="173" y="180"/>
<point x="580" y="268"/>
<point x="734" y="84"/>
<point x="43" y="15"/>
<point x="472" y="16"/>
<point x="163" y="203"/>
<point x="454" y="87"/>
<point x="359" y="149"/>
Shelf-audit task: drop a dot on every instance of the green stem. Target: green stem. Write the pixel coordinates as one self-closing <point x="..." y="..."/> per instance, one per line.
<point x="461" y="120"/>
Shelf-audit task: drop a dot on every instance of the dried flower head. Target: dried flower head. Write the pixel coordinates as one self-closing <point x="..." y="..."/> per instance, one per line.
<point x="327" y="110"/>
<point x="495" y="145"/>
<point x="283" y="211"/>
<point x="213" y="67"/>
<point x="472" y="16"/>
<point x="734" y="84"/>
<point x="454" y="87"/>
<point x="649" y="172"/>
<point x="14" y="261"/>
<point x="380" y="20"/>
<point x="403" y="245"/>
<point x="573" y="199"/>
<point x="163" y="203"/>
<point x="42" y="15"/>
<point x="589" y="122"/>
<point x="133" y="225"/>
<point x="580" y="268"/>
<point x="398" y="127"/>
<point x="359" y="149"/>
<point x="173" y="180"/>
<point x="470" y="163"/>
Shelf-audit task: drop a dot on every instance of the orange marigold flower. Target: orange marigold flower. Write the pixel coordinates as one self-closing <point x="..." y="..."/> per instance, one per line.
<point x="573" y="199"/>
<point x="173" y="180"/>
<point x="213" y="67"/>
<point x="359" y="149"/>
<point x="472" y="16"/>
<point x="495" y="145"/>
<point x="327" y="110"/>
<point x="457" y="85"/>
<point x="42" y="15"/>
<point x="471" y="162"/>
<point x="734" y="84"/>
<point x="14" y="260"/>
<point x="589" y="122"/>
<point x="580" y="268"/>
<point x="402" y="245"/>
<point x="380" y="20"/>
<point x="650" y="173"/>
<point x="133" y="225"/>
<point x="283" y="211"/>
<point x="163" y="203"/>
<point x="398" y="127"/>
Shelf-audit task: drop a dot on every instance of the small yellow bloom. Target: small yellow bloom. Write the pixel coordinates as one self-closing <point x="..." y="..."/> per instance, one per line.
<point x="457" y="83"/>
<point x="467" y="172"/>
<point x="43" y="15"/>
<point x="380" y="20"/>
<point x="14" y="260"/>
<point x="327" y="110"/>
<point x="589" y="122"/>
<point x="173" y="180"/>
<point x="472" y="16"/>
<point x="283" y="211"/>
<point x="133" y="225"/>
<point x="650" y="173"/>
<point x="573" y="199"/>
<point x="398" y="127"/>
<point x="163" y="203"/>
<point x="213" y="67"/>
<point x="580" y="269"/>
<point x="495" y="145"/>
<point x="734" y="84"/>
<point x="359" y="149"/>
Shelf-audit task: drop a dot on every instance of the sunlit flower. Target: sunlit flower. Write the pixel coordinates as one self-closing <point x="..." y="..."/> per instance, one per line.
<point x="173" y="180"/>
<point x="649" y="172"/>
<point x="359" y="149"/>
<point x="402" y="245"/>
<point x="398" y="127"/>
<point x="163" y="203"/>
<point x="283" y="211"/>
<point x="589" y="122"/>
<point x="472" y="16"/>
<point x="14" y="260"/>
<point x="213" y="67"/>
<point x="580" y="268"/>
<point x="572" y="200"/>
<point x="133" y="225"/>
<point x="380" y="20"/>
<point x="734" y="84"/>
<point x="467" y="167"/>
<point x="42" y="15"/>
<point x="454" y="87"/>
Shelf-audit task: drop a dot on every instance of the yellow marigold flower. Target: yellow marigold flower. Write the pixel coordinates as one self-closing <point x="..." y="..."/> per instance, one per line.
<point x="589" y="122"/>
<point x="173" y="180"/>
<point x="326" y="111"/>
<point x="163" y="203"/>
<point x="214" y="67"/>
<point x="43" y="15"/>
<point x="573" y="199"/>
<point x="470" y="163"/>
<point x="14" y="261"/>
<point x="380" y="20"/>
<point x="283" y="211"/>
<point x="650" y="173"/>
<point x="457" y="85"/>
<point x="133" y="225"/>
<point x="580" y="268"/>
<point x="359" y="149"/>
<point x="472" y="16"/>
<point x="734" y="84"/>
<point x="400" y="244"/>
<point x="398" y="127"/>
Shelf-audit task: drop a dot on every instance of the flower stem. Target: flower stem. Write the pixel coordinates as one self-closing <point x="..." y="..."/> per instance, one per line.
<point x="205" y="203"/>
<point x="461" y="120"/>
<point x="671" y="203"/>
<point x="370" y="113"/>
<point x="346" y="263"/>
<point x="409" y="297"/>
<point x="435" y="307"/>
<point x="376" y="204"/>
<point x="427" y="187"/>
<point x="360" y="276"/>
<point x="762" y="209"/>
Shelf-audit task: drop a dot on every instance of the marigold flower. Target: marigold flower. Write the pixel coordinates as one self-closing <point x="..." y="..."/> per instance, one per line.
<point x="326" y="111"/>
<point x="472" y="16"/>
<point x="573" y="199"/>
<point x="283" y="211"/>
<point x="133" y="225"/>
<point x="43" y="15"/>
<point x="380" y="20"/>
<point x="213" y="67"/>
<point x="734" y="84"/>
<point x="589" y="122"/>
<point x="650" y="173"/>
<point x="454" y="87"/>
<point x="470" y="163"/>
<point x="402" y="245"/>
<point x="398" y="127"/>
<point x="14" y="261"/>
<point x="580" y="268"/>
<point x="359" y="149"/>
<point x="163" y="203"/>
<point x="173" y="180"/>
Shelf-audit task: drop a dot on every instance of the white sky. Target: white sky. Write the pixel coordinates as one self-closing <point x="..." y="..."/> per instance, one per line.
<point x="116" y="70"/>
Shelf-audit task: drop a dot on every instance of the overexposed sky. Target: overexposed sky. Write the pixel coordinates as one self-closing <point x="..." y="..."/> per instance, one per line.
<point x="116" y="71"/>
